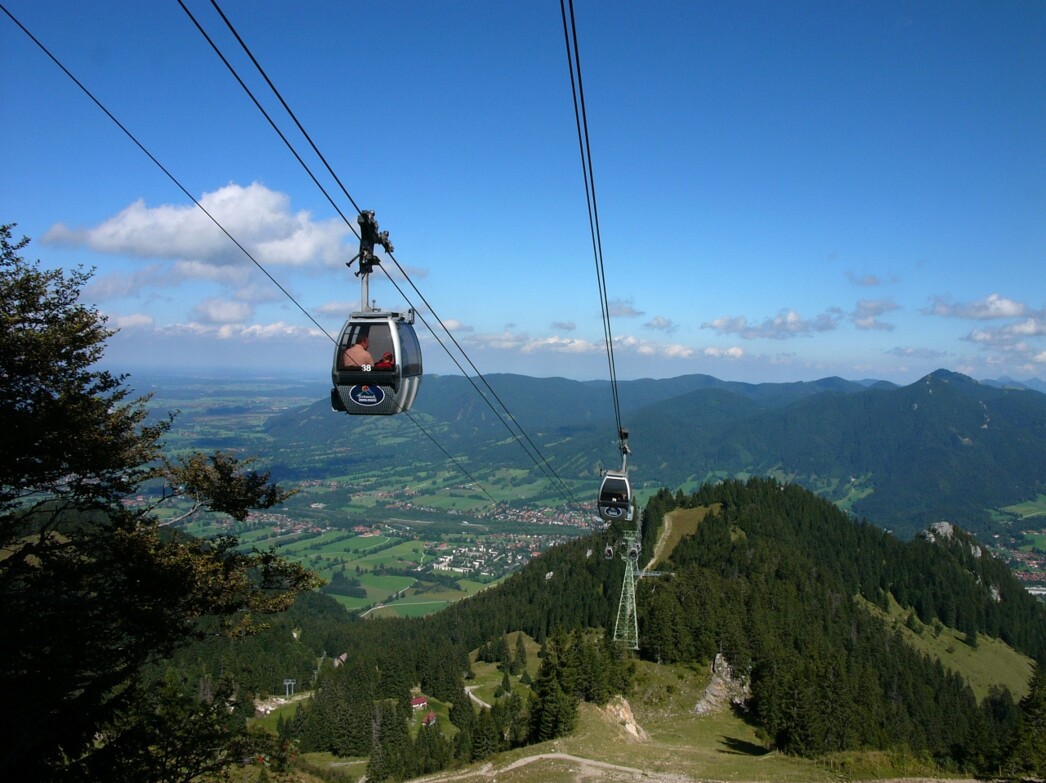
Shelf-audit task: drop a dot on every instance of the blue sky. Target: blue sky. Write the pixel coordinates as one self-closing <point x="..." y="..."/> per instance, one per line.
<point x="787" y="191"/>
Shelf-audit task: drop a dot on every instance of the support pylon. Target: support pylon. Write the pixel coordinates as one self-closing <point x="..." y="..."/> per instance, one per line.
<point x="626" y="629"/>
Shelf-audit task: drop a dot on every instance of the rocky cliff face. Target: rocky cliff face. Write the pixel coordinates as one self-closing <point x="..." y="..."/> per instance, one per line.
<point x="723" y="689"/>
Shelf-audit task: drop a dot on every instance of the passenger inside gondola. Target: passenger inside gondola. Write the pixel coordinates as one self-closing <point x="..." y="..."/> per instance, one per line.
<point x="358" y="355"/>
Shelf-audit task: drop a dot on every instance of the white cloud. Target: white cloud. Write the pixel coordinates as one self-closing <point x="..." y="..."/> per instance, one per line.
<point x="650" y="348"/>
<point x="256" y="332"/>
<point x="223" y="311"/>
<point x="1010" y="334"/>
<point x="724" y="353"/>
<point x="338" y="309"/>
<point x="662" y="324"/>
<point x="994" y="306"/>
<point x="1032" y="327"/>
<point x="866" y="315"/>
<point x="454" y="325"/>
<point x="916" y="353"/>
<point x="118" y="284"/>
<point x="566" y="326"/>
<point x="786" y="324"/>
<point x="258" y="218"/>
<point x="135" y="321"/>
<point x="623" y="308"/>
<point x="506" y="340"/>
<point x="561" y="345"/>
<point x="511" y="341"/>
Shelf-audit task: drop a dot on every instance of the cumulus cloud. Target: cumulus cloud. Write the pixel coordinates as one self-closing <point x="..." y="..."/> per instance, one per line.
<point x="504" y="340"/>
<point x="338" y="309"/>
<point x="868" y="311"/>
<point x="650" y="348"/>
<point x="1030" y="327"/>
<point x="993" y="306"/>
<point x="135" y="321"/>
<point x="724" y="353"/>
<point x="222" y="311"/>
<point x="784" y="325"/>
<point x="916" y="353"/>
<point x="454" y="325"/>
<point x="523" y="343"/>
<point x="661" y="324"/>
<point x="258" y="218"/>
<point x="118" y="284"/>
<point x="1010" y="335"/>
<point x="255" y="332"/>
<point x="560" y="345"/>
<point x="623" y="308"/>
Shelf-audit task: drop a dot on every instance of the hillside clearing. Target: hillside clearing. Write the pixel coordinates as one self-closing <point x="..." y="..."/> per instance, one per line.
<point x="655" y="737"/>
<point x="676" y="526"/>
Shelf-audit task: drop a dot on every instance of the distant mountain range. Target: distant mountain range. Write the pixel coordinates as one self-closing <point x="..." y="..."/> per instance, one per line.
<point x="944" y="448"/>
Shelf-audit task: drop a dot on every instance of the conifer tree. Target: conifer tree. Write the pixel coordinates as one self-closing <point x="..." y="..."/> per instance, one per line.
<point x="519" y="662"/>
<point x="92" y="591"/>
<point x="1027" y="751"/>
<point x="485" y="741"/>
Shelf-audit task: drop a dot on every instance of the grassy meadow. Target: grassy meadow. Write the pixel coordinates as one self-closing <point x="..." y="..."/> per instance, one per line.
<point x="991" y="662"/>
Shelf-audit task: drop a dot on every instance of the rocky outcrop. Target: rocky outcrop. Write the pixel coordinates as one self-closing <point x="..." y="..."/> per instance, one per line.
<point x="723" y="689"/>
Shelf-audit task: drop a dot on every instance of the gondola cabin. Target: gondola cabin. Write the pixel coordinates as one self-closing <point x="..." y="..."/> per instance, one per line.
<point x="389" y="381"/>
<point x="615" y="497"/>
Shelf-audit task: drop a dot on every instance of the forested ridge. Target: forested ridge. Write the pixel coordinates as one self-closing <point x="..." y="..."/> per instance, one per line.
<point x="944" y="447"/>
<point x="770" y="581"/>
<point x="777" y="580"/>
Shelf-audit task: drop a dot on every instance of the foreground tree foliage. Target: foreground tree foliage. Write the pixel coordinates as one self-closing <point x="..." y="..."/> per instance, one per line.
<point x="92" y="590"/>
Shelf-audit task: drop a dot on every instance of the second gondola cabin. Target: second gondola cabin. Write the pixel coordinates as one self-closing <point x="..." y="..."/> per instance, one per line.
<point x="389" y="383"/>
<point x="615" y="497"/>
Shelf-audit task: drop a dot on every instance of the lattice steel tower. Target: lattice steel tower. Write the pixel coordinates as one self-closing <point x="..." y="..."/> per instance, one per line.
<point x="626" y="629"/>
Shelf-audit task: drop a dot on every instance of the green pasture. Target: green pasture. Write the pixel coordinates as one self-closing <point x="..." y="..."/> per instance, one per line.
<point x="992" y="662"/>
<point x="353" y="604"/>
<point x="422" y="602"/>
<point x="680" y="523"/>
<point x="327" y="764"/>
<point x="363" y="543"/>
<point x="404" y="555"/>
<point x="318" y="543"/>
<point x="268" y="722"/>
<point x="454" y="501"/>
<point x="381" y="587"/>
<point x="1030" y="508"/>
<point x="488" y="676"/>
<point x="406" y="608"/>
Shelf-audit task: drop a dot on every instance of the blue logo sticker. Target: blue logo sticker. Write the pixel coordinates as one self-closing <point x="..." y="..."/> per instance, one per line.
<point x="612" y="511"/>
<point x="367" y="395"/>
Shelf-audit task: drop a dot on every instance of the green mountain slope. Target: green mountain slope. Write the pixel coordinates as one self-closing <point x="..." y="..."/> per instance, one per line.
<point x="777" y="580"/>
<point x="945" y="447"/>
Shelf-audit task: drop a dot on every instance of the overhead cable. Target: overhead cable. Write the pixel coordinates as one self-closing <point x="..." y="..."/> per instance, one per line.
<point x="539" y="460"/>
<point x="581" y="120"/>
<point x="162" y="168"/>
<point x="217" y="223"/>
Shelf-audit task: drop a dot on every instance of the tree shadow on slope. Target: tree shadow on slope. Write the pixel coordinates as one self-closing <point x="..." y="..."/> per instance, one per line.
<point x="742" y="747"/>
